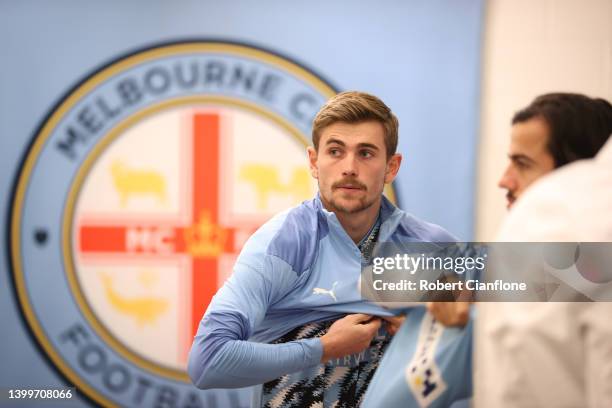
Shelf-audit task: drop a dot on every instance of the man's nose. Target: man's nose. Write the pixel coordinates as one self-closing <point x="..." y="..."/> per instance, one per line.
<point x="349" y="165"/>
<point x="508" y="180"/>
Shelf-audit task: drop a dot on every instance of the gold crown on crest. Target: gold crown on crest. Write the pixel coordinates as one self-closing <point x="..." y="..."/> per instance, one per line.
<point x="205" y="238"/>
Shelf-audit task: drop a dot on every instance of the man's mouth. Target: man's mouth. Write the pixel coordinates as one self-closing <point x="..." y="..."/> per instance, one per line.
<point x="350" y="186"/>
<point x="349" y="189"/>
<point x="511" y="199"/>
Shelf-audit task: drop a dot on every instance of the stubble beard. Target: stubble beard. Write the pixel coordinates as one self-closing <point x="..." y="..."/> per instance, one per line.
<point x="362" y="204"/>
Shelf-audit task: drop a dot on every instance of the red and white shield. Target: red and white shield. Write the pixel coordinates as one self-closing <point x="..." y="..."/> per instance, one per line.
<point x="164" y="210"/>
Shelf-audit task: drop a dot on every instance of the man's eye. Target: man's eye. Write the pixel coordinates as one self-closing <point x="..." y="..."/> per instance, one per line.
<point x="334" y="152"/>
<point x="366" y="153"/>
<point x="522" y="165"/>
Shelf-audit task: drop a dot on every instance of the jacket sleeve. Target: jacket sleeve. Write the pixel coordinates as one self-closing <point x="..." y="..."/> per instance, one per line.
<point x="221" y="355"/>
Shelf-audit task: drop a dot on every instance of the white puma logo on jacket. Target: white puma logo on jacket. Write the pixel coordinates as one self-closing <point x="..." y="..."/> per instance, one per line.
<point x="323" y="291"/>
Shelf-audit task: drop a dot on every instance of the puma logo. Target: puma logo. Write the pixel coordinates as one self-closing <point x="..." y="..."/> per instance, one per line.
<point x="323" y="291"/>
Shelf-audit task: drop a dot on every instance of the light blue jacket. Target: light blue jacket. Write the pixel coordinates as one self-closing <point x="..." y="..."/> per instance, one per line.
<point x="300" y="267"/>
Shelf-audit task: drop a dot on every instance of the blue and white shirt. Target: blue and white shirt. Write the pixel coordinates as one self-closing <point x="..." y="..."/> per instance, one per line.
<point x="427" y="365"/>
<point x="298" y="273"/>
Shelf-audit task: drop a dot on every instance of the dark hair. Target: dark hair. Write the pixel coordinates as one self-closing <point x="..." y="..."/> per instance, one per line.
<point x="579" y="125"/>
<point x="356" y="107"/>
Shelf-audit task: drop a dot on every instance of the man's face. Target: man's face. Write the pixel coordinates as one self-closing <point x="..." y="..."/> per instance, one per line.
<point x="529" y="157"/>
<point x="351" y="166"/>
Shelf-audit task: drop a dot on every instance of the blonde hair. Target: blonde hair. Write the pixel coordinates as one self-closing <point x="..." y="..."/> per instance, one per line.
<point x="356" y="107"/>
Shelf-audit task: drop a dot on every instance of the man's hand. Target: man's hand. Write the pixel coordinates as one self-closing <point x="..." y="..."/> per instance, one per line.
<point x="393" y="323"/>
<point x="450" y="313"/>
<point x="349" y="335"/>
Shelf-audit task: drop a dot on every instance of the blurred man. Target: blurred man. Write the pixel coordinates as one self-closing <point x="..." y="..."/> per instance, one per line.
<point x="552" y="354"/>
<point x="554" y="130"/>
<point x="281" y="319"/>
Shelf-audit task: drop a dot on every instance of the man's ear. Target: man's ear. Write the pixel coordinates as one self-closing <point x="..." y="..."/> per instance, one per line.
<point x="393" y="165"/>
<point x="312" y="162"/>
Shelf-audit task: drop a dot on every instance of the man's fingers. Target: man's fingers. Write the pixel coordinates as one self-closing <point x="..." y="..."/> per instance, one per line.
<point x="464" y="306"/>
<point x="393" y="323"/>
<point x="395" y="320"/>
<point x="450" y="313"/>
<point x="464" y="310"/>
<point x="359" y="317"/>
<point x="391" y="328"/>
<point x="373" y="325"/>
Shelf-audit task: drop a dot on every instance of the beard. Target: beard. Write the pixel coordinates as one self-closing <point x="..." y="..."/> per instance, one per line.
<point x="340" y="202"/>
<point x="356" y="205"/>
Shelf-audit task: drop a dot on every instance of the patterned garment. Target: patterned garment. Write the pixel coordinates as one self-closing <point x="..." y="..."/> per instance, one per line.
<point x="341" y="383"/>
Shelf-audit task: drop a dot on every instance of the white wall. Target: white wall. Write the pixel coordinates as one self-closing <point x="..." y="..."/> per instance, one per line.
<point x="533" y="47"/>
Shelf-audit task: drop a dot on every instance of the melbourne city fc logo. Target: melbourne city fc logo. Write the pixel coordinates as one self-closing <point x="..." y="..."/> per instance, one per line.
<point x="135" y="198"/>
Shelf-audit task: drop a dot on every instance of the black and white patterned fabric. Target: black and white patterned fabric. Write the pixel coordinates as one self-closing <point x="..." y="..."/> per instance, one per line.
<point x="340" y="383"/>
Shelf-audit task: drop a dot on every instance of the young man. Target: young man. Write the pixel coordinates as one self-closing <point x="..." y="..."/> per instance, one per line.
<point x="291" y="316"/>
<point x="552" y="354"/>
